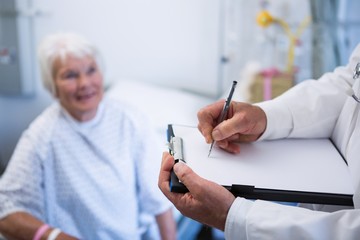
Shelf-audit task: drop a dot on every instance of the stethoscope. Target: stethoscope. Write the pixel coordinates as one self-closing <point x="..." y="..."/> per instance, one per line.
<point x="356" y="75"/>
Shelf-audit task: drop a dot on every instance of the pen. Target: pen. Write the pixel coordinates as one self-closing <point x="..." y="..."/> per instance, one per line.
<point x="224" y="110"/>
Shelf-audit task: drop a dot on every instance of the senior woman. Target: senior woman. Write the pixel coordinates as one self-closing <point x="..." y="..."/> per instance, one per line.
<point x="87" y="166"/>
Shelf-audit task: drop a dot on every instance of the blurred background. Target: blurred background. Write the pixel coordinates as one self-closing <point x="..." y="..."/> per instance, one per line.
<point x="172" y="57"/>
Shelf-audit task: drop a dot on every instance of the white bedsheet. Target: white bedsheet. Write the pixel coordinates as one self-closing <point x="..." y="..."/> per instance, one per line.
<point x="163" y="105"/>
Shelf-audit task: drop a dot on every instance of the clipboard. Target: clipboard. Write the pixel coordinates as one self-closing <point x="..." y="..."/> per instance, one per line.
<point x="288" y="170"/>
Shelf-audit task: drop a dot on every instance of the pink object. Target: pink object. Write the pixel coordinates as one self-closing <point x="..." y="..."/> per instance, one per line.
<point x="41" y="230"/>
<point x="268" y="75"/>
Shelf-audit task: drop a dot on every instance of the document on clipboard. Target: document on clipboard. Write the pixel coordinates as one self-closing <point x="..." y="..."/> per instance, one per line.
<point x="291" y="170"/>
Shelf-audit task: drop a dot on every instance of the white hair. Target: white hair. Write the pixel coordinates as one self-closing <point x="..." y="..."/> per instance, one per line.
<point x="59" y="46"/>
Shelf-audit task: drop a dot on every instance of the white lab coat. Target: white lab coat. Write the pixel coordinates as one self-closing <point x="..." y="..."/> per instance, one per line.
<point x="311" y="109"/>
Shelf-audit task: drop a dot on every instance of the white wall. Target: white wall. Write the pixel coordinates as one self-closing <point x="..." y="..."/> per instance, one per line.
<point x="166" y="42"/>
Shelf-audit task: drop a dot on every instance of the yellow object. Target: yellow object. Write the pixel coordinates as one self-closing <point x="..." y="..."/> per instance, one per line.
<point x="264" y="19"/>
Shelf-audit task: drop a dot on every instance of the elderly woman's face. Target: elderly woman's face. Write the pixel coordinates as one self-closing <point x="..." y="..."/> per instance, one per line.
<point x="79" y="86"/>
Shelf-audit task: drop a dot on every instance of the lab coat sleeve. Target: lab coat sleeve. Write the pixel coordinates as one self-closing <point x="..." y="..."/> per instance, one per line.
<point x="311" y="108"/>
<point x="267" y="220"/>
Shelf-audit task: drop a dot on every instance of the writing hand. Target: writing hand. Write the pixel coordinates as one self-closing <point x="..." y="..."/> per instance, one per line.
<point x="245" y="123"/>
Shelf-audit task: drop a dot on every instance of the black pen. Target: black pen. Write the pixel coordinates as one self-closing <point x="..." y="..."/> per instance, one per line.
<point x="224" y="110"/>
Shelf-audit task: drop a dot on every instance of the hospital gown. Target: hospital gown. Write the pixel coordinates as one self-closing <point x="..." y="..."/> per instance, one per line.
<point x="93" y="180"/>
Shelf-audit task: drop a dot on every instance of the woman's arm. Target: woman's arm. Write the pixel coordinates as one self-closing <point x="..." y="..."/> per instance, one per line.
<point x="166" y="225"/>
<point x="21" y="225"/>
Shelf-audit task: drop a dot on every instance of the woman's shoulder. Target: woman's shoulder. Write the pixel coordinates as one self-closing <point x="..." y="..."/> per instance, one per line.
<point x="43" y="125"/>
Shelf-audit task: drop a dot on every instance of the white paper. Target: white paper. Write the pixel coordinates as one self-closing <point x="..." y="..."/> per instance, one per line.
<point x="310" y="165"/>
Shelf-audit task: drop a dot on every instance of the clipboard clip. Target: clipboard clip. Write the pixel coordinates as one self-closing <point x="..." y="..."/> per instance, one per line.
<point x="176" y="149"/>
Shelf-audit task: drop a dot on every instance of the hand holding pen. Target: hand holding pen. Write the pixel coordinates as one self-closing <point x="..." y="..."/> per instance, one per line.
<point x="244" y="123"/>
<point x="224" y="111"/>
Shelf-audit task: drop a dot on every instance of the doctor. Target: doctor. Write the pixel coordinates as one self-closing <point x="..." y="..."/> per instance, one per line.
<point x="327" y="107"/>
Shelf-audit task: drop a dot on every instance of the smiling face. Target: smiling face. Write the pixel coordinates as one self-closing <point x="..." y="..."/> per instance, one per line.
<point x="79" y="86"/>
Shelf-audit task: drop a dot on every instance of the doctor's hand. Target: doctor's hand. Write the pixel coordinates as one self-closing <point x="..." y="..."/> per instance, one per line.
<point x="245" y="123"/>
<point x="206" y="201"/>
